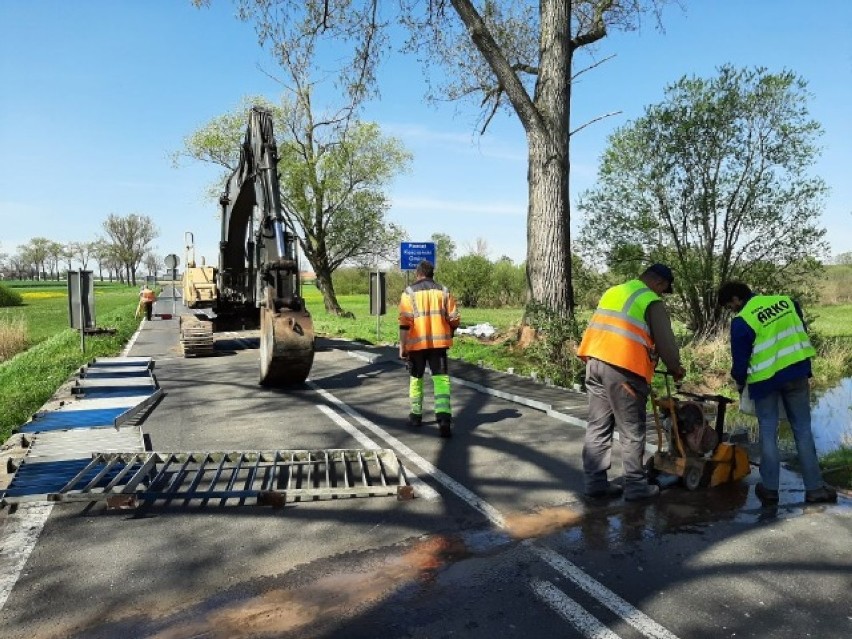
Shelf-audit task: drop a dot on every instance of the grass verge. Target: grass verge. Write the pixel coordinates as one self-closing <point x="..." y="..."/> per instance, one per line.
<point x="30" y="378"/>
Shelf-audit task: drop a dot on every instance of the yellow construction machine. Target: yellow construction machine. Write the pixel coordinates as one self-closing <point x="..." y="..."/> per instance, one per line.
<point x="700" y="454"/>
<point x="257" y="282"/>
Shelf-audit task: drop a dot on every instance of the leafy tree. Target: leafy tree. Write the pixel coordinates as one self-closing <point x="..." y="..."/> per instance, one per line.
<point x="82" y="251"/>
<point x="445" y="248"/>
<point x="512" y="54"/>
<point x="469" y="278"/>
<point x="55" y="254"/>
<point x="153" y="262"/>
<point x="333" y="178"/>
<point x="130" y="238"/>
<point x="508" y="283"/>
<point x="714" y="180"/>
<point x="36" y="253"/>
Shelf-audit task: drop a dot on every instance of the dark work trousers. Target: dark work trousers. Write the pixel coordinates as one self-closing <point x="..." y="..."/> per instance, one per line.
<point x="149" y="307"/>
<point x="617" y="401"/>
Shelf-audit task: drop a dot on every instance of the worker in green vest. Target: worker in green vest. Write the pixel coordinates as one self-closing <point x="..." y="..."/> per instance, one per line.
<point x="771" y="354"/>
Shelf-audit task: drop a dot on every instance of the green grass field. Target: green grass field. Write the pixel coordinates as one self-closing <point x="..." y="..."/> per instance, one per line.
<point x="30" y="378"/>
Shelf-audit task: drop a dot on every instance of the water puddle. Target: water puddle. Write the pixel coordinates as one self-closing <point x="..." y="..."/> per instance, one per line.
<point x="831" y="418"/>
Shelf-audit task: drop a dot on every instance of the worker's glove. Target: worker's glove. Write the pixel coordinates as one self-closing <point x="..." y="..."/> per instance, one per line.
<point x="678" y="374"/>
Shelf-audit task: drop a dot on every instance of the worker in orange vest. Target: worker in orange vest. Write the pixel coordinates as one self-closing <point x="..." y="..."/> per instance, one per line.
<point x="628" y="331"/>
<point x="147" y="297"/>
<point x="428" y="317"/>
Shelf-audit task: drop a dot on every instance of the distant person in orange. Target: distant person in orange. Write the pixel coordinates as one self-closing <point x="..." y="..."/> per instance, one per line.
<point x="147" y="297"/>
<point x="428" y="317"/>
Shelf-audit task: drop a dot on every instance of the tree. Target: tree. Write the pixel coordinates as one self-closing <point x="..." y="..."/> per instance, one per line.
<point x="506" y="54"/>
<point x="36" y="253"/>
<point x="130" y="238"/>
<point x="714" y="180"/>
<point x="153" y="263"/>
<point x="332" y="179"/>
<point x="82" y="251"/>
<point x="55" y="254"/>
<point x="445" y="248"/>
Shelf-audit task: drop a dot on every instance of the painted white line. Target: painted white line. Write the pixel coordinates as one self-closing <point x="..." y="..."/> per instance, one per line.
<point x="429" y="469"/>
<point x="19" y="535"/>
<point x="360" y="437"/>
<point x="421" y="488"/>
<point x="611" y="600"/>
<point x="636" y="618"/>
<point x="571" y="611"/>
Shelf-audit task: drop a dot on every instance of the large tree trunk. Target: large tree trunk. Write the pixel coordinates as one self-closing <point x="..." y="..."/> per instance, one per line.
<point x="548" y="249"/>
<point x="329" y="298"/>
<point x="549" y="214"/>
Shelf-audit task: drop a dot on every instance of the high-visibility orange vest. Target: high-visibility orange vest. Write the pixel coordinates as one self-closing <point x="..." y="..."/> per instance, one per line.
<point x="430" y="314"/>
<point x="148" y="295"/>
<point x="618" y="333"/>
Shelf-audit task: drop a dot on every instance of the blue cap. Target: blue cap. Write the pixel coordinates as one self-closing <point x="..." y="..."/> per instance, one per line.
<point x="664" y="272"/>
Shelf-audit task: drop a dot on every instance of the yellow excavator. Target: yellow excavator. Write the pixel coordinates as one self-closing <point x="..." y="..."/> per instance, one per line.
<point x="257" y="283"/>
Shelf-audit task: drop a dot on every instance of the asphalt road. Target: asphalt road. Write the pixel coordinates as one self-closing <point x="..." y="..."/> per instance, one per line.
<point x="497" y="544"/>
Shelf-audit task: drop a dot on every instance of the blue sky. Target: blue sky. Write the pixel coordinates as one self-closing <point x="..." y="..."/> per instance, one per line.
<point x="95" y="96"/>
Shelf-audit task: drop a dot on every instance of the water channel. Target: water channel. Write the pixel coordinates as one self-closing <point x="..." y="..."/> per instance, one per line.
<point x="831" y="418"/>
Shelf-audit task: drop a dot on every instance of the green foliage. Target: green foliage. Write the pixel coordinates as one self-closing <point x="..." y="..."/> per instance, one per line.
<point x="29" y="379"/>
<point x="714" y="181"/>
<point x="334" y="174"/>
<point x="837" y="467"/>
<point x="553" y="351"/>
<point x="9" y="297"/>
<point x="469" y="278"/>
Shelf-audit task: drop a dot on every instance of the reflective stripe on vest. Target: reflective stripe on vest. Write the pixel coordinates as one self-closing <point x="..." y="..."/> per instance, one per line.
<point x="430" y="314"/>
<point x="618" y="333"/>
<point x="780" y="337"/>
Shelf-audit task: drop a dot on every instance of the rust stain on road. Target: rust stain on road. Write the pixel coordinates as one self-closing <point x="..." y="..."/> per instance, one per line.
<point x="330" y="597"/>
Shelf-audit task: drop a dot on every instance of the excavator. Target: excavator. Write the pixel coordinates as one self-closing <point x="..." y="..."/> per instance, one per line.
<point x="257" y="283"/>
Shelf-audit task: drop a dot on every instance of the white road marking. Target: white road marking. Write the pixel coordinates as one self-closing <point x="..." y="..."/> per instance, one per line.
<point x="471" y="498"/>
<point x="360" y="437"/>
<point x="636" y="618"/>
<point x="19" y="535"/>
<point x="21" y="530"/>
<point x="421" y="488"/>
<point x="571" y="611"/>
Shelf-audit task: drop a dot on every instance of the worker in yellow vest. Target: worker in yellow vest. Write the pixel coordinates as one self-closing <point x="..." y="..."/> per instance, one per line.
<point x="771" y="354"/>
<point x="627" y="332"/>
<point x="147" y="297"/>
<point x="428" y="318"/>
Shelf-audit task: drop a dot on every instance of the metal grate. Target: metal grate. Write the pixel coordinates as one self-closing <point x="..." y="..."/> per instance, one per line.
<point x="236" y="478"/>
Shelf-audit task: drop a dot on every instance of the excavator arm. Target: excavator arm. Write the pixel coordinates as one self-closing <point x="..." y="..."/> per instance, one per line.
<point x="258" y="277"/>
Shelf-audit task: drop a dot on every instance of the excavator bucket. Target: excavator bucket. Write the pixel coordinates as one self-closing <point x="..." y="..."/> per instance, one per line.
<point x="286" y="346"/>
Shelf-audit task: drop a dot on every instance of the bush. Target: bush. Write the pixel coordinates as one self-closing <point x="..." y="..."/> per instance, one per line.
<point x="8" y="297"/>
<point x="554" y="350"/>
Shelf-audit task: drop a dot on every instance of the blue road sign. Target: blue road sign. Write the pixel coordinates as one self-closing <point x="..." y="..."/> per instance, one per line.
<point x="410" y="254"/>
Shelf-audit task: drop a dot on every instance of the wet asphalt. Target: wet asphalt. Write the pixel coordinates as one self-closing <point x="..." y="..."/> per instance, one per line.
<point x="499" y="544"/>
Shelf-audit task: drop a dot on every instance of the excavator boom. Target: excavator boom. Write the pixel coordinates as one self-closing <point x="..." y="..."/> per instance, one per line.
<point x="257" y="283"/>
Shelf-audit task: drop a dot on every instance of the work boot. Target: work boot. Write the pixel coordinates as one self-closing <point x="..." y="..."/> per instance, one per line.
<point x="646" y="491"/>
<point x="415" y="420"/>
<point x="612" y="491"/>
<point x="445" y="424"/>
<point x="766" y="496"/>
<point x="824" y="495"/>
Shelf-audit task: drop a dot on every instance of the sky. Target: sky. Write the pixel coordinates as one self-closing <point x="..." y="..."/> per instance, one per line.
<point x="97" y="95"/>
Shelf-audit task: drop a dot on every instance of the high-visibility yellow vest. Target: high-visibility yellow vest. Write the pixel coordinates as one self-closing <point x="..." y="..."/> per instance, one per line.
<point x="430" y="313"/>
<point x="618" y="333"/>
<point x="780" y="338"/>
